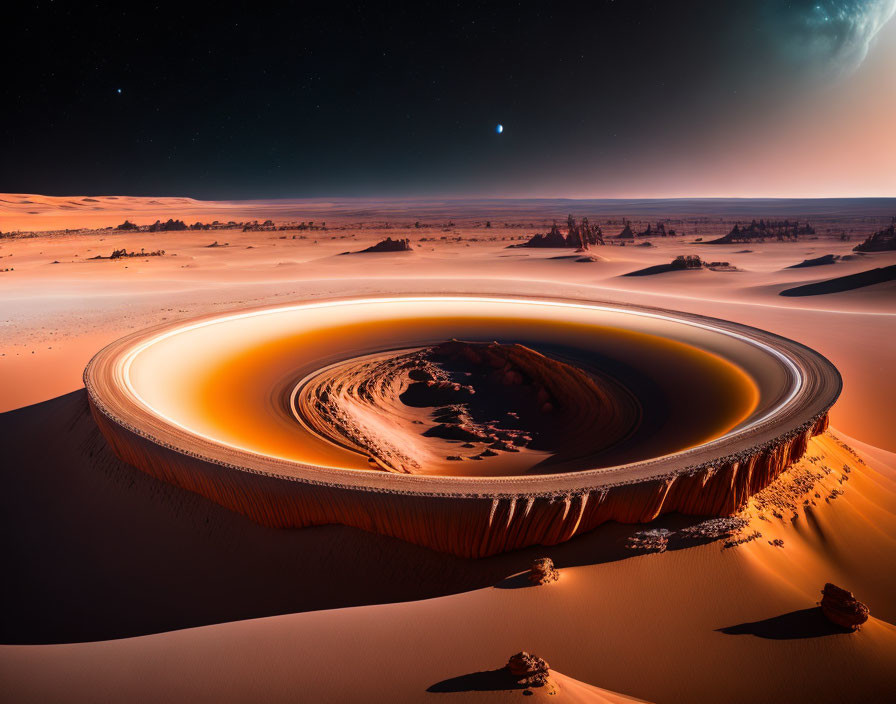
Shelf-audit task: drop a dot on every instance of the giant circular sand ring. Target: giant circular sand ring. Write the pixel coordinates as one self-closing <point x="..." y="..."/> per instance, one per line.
<point x="363" y="412"/>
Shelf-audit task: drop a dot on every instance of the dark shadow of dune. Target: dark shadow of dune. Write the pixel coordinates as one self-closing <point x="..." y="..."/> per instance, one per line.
<point x="486" y="681"/>
<point x="651" y="270"/>
<point x="805" y="623"/>
<point x="844" y="283"/>
<point x="823" y="260"/>
<point x="516" y="581"/>
<point x="95" y="550"/>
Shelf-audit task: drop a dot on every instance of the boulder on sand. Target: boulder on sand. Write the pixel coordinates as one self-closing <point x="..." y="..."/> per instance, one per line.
<point x="529" y="670"/>
<point x="842" y="608"/>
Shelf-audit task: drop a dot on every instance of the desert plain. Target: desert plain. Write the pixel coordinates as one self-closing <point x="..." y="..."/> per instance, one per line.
<point x="120" y="587"/>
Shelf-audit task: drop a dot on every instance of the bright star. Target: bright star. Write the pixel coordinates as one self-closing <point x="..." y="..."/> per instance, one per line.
<point x="118" y="90"/>
<point x="499" y="129"/>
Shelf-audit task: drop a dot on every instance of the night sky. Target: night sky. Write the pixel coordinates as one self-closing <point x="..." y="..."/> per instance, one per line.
<point x="609" y="99"/>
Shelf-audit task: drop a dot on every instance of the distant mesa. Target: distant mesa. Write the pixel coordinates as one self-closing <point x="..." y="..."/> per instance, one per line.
<point x="688" y="262"/>
<point x="782" y="230"/>
<point x="581" y="236"/>
<point x="817" y="261"/>
<point x="387" y="245"/>
<point x="844" y="283"/>
<point x="842" y="608"/>
<point x="882" y="241"/>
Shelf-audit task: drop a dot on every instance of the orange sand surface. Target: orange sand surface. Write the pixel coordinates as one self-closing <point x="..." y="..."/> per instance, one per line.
<point x="152" y="595"/>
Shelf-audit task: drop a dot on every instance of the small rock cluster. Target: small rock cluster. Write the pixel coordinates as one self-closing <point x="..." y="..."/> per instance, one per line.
<point x="715" y="528"/>
<point x="655" y="540"/>
<point x="543" y="571"/>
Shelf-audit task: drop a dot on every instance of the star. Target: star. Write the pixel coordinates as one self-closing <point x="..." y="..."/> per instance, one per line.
<point x="499" y="128"/>
<point x="118" y="90"/>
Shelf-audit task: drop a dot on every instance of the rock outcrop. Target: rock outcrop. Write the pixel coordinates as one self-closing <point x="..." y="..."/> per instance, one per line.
<point x="762" y="229"/>
<point x="841" y="607"/>
<point x="658" y="230"/>
<point x="543" y="571"/>
<point x="389" y="245"/>
<point x="168" y="226"/>
<point x="627" y="233"/>
<point x="882" y="241"/>
<point x="689" y="262"/>
<point x="581" y="236"/>
<point x="529" y="670"/>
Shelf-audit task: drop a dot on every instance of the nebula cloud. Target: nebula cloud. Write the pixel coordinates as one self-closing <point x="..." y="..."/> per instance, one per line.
<point x="831" y="35"/>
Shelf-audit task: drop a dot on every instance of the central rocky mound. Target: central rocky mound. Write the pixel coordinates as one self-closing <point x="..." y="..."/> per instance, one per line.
<point x="442" y="409"/>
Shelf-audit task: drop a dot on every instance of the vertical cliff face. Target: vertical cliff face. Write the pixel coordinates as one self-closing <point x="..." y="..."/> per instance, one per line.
<point x="467" y="525"/>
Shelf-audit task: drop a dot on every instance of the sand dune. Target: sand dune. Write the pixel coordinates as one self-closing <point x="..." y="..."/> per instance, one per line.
<point x="755" y="603"/>
<point x="120" y="587"/>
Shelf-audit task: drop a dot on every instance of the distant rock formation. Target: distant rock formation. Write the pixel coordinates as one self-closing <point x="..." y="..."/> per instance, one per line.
<point x="882" y="241"/>
<point x="581" y="236"/>
<point x="627" y="233"/>
<point x="658" y="231"/>
<point x="125" y="254"/>
<point x="543" y="571"/>
<point x="168" y="226"/>
<point x="529" y="670"/>
<point x="126" y="225"/>
<point x="762" y="229"/>
<point x="842" y="608"/>
<point x="389" y="245"/>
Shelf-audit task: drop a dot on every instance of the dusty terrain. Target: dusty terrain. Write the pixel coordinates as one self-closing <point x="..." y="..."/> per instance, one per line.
<point x="123" y="587"/>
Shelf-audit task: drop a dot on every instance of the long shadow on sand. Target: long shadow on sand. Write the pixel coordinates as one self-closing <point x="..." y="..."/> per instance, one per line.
<point x="805" y="623"/>
<point x="486" y="681"/>
<point x="96" y="550"/>
<point x="844" y="283"/>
